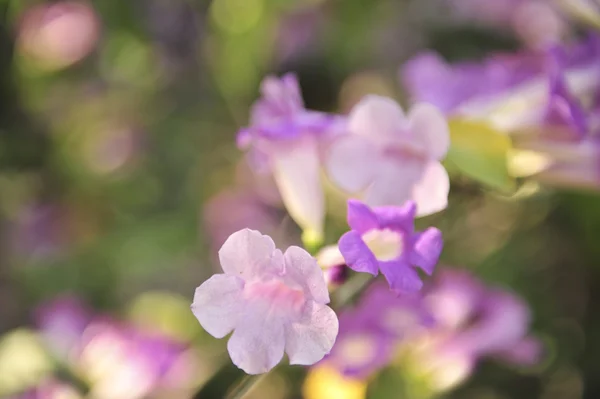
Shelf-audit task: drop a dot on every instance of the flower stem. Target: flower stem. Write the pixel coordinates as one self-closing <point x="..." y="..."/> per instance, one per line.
<point x="245" y="385"/>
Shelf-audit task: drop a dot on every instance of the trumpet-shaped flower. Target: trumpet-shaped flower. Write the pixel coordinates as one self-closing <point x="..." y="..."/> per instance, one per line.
<point x="370" y="332"/>
<point x="283" y="138"/>
<point x="383" y="239"/>
<point x="272" y="301"/>
<point x="389" y="158"/>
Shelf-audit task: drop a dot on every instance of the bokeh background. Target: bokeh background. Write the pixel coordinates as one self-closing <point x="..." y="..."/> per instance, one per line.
<point x="120" y="178"/>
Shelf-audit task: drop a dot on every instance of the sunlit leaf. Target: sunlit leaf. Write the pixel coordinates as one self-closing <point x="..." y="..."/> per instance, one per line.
<point x="480" y="152"/>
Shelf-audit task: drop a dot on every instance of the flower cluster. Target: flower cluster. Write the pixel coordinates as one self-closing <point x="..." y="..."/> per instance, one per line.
<point x="109" y="358"/>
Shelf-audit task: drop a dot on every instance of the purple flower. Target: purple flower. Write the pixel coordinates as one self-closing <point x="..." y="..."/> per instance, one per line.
<point x="284" y="138"/>
<point x="128" y="363"/>
<point x="272" y="301"/>
<point x="370" y="333"/>
<point x="383" y="239"/>
<point x="62" y="323"/>
<point x="389" y="158"/>
<point x="472" y="321"/>
<point x="509" y="91"/>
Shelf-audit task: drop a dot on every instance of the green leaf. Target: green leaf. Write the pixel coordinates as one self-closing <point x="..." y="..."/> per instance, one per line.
<point x="480" y="152"/>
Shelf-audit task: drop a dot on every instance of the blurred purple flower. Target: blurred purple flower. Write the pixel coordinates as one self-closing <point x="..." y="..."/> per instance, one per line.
<point x="125" y="362"/>
<point x="473" y="321"/>
<point x="283" y="138"/>
<point x="391" y="157"/>
<point x="370" y="333"/>
<point x="383" y="239"/>
<point x="510" y="91"/>
<point x="61" y="323"/>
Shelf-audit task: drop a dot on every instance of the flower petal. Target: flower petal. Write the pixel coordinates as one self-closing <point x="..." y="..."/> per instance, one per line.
<point x="377" y="117"/>
<point x="297" y="173"/>
<point x="360" y="217"/>
<point x="394" y="183"/>
<point x="401" y="277"/>
<point x="357" y="255"/>
<point x="351" y="162"/>
<point x="402" y="217"/>
<point x="431" y="191"/>
<point x="248" y="252"/>
<point x="302" y="269"/>
<point x="256" y="345"/>
<point x="526" y="352"/>
<point x="217" y="304"/>
<point x="430" y="129"/>
<point x="427" y="249"/>
<point x="312" y="337"/>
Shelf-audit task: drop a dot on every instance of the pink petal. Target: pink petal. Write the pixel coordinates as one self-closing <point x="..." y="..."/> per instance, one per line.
<point x="217" y="304"/>
<point x="247" y="253"/>
<point x="351" y="162"/>
<point x="394" y="182"/>
<point x="377" y="117"/>
<point x="257" y="343"/>
<point x="430" y="128"/>
<point x="298" y="176"/>
<point x="431" y="191"/>
<point x="302" y="269"/>
<point x="312" y="337"/>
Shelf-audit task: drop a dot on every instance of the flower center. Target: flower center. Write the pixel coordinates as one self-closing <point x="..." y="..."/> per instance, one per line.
<point x="385" y="244"/>
<point x="358" y="350"/>
<point x="277" y="295"/>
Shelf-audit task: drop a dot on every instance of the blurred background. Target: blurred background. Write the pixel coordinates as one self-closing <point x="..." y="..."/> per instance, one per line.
<point x="120" y="178"/>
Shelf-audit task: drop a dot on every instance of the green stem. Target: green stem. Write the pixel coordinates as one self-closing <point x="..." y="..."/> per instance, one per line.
<point x="246" y="384"/>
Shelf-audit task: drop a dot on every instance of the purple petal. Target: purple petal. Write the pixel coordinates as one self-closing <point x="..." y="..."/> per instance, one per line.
<point x="563" y="109"/>
<point x="311" y="338"/>
<point x="360" y="217"/>
<point x="397" y="217"/>
<point x="427" y="249"/>
<point x="357" y="255"/>
<point x="401" y="277"/>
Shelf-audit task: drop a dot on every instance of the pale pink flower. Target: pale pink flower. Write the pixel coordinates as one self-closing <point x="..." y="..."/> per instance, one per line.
<point x="272" y="301"/>
<point x="389" y="158"/>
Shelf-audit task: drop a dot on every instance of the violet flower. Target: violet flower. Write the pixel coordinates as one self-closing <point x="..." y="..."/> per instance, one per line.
<point x="389" y="158"/>
<point x="472" y="321"/>
<point x="510" y="91"/>
<point x="272" y="301"/>
<point x="283" y="138"/>
<point x="371" y="332"/>
<point x="383" y="239"/>
<point x="62" y="322"/>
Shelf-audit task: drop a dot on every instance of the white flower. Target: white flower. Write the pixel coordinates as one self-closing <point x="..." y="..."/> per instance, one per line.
<point x="272" y="301"/>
